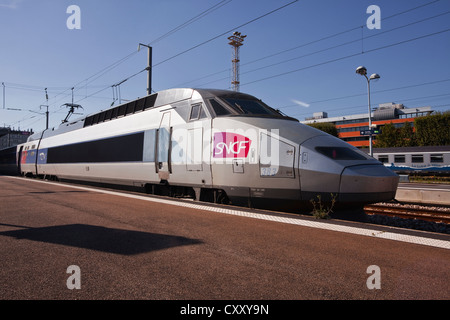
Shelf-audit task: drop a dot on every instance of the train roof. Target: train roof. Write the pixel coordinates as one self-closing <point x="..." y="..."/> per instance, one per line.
<point x="411" y="149"/>
<point x="150" y="101"/>
<point x="155" y="100"/>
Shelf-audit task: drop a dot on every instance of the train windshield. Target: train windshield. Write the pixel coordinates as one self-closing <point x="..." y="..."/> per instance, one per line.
<point x="256" y="107"/>
<point x="239" y="104"/>
<point x="340" y="153"/>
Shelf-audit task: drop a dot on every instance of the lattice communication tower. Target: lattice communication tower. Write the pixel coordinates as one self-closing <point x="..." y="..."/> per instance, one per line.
<point x="236" y="41"/>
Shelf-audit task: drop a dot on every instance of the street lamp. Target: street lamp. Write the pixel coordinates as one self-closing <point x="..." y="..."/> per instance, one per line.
<point x="363" y="71"/>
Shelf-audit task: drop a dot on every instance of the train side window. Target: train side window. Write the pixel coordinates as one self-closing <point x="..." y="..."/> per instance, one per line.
<point x="101" y="117"/>
<point x="203" y="114"/>
<point x="114" y="113"/>
<point x="122" y="110"/>
<point x="399" y="158"/>
<point x="195" y="112"/>
<point x="417" y="158"/>
<point x="139" y="105"/>
<point x="437" y="158"/>
<point x="108" y="115"/>
<point x="88" y="121"/>
<point x="130" y="107"/>
<point x="340" y="153"/>
<point x="383" y="158"/>
<point x="150" y="101"/>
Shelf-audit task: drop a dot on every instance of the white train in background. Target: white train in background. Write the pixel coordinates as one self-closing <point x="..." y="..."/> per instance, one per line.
<point x="432" y="159"/>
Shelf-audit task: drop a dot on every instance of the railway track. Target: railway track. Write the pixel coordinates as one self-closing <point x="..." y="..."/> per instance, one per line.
<point x="409" y="212"/>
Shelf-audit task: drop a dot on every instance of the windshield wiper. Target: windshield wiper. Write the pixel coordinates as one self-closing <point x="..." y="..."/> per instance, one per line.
<point x="240" y="108"/>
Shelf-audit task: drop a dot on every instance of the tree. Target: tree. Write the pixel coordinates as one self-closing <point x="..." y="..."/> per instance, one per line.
<point x="388" y="137"/>
<point x="433" y="130"/>
<point x="406" y="136"/>
<point x="327" y="127"/>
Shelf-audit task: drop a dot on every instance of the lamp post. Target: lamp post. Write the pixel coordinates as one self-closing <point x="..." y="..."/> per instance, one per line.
<point x="363" y="71"/>
<point x="3" y="84"/>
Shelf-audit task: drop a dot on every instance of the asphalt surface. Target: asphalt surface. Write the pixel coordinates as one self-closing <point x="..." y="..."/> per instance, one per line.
<point x="134" y="249"/>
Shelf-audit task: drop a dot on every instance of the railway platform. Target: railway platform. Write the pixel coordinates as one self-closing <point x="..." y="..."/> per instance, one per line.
<point x="423" y="193"/>
<point x="134" y="246"/>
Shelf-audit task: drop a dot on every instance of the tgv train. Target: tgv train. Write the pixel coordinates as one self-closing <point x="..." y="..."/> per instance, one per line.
<point x="212" y="145"/>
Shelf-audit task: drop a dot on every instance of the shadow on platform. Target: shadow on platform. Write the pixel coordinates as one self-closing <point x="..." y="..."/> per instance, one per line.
<point x="118" y="241"/>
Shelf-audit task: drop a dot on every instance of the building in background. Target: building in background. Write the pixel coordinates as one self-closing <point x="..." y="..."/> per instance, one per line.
<point x="11" y="138"/>
<point x="349" y="127"/>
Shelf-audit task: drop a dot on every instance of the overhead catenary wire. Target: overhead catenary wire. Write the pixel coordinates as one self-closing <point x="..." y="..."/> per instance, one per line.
<point x="211" y="9"/>
<point x="108" y="68"/>
<point x="405" y="99"/>
<point x="204" y="42"/>
<point x="224" y="33"/>
<point x="190" y="21"/>
<point x="328" y="61"/>
<point x="374" y="92"/>
<point x="315" y="52"/>
<point x="326" y="38"/>
<point x="83" y="83"/>
<point x="168" y="33"/>
<point x="348" y="42"/>
<point x="346" y="57"/>
<point x="332" y="60"/>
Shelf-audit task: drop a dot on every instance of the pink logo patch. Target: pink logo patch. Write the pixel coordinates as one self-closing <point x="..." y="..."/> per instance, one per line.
<point x="230" y="145"/>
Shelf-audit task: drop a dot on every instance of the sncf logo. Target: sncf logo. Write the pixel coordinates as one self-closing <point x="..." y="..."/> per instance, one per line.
<point x="230" y="145"/>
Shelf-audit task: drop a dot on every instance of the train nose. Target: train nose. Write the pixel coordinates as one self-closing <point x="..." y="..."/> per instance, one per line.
<point x="367" y="183"/>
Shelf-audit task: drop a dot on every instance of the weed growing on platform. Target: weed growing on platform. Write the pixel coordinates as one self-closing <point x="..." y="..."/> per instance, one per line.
<point x="320" y="209"/>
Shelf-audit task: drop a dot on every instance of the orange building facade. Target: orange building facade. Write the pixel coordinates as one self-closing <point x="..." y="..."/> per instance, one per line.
<point x="350" y="127"/>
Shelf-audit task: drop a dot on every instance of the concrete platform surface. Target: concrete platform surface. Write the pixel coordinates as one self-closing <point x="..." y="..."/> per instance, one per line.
<point x="424" y="193"/>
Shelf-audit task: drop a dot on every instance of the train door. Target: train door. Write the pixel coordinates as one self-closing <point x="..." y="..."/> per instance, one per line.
<point x="194" y="150"/>
<point x="197" y="144"/>
<point x="163" y="147"/>
<point x="19" y="160"/>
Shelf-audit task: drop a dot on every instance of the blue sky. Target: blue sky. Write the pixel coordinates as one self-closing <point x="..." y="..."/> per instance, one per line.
<point x="300" y="58"/>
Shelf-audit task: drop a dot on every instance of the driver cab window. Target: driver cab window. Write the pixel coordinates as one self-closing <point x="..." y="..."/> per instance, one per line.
<point x="197" y="112"/>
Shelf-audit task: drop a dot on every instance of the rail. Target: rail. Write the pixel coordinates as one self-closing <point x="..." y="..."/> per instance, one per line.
<point x="408" y="211"/>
